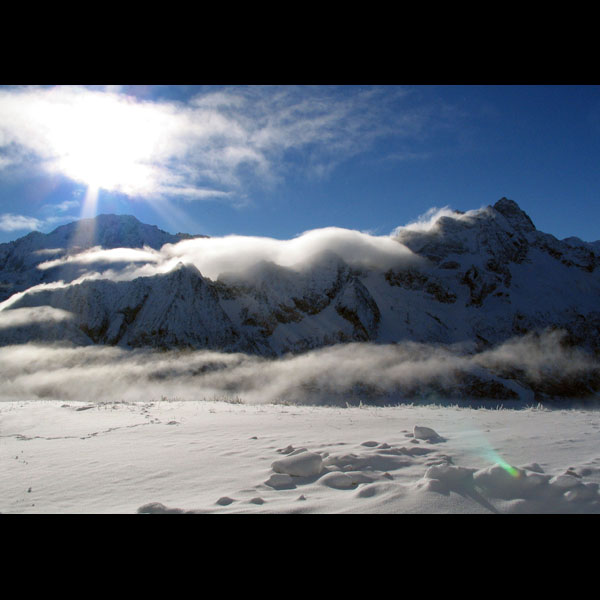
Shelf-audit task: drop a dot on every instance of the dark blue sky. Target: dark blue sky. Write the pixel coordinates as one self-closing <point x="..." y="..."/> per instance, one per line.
<point x="276" y="161"/>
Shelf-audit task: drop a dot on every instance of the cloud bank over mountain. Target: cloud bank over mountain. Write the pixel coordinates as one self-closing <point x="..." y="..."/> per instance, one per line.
<point x="217" y="255"/>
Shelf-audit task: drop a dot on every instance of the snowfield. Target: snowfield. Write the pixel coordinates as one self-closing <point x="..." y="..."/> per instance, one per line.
<point x="175" y="456"/>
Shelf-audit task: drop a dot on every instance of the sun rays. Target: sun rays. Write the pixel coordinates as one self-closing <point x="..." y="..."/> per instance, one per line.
<point x="103" y="141"/>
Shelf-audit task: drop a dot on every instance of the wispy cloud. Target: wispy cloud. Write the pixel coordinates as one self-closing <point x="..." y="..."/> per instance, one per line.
<point x="10" y="222"/>
<point x="426" y="221"/>
<point x="208" y="147"/>
<point x="6" y="161"/>
<point x="65" y="205"/>
<point x="430" y="218"/>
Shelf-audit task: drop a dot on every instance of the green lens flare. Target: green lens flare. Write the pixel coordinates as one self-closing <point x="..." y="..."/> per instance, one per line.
<point x="508" y="468"/>
<point x="493" y="456"/>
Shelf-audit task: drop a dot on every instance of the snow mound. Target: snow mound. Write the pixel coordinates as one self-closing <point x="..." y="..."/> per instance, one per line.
<point x="450" y="475"/>
<point x="303" y="464"/>
<point x="338" y="481"/>
<point x="280" y="481"/>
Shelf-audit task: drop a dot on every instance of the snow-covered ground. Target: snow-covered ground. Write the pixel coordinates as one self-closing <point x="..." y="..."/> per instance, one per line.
<point x="219" y="457"/>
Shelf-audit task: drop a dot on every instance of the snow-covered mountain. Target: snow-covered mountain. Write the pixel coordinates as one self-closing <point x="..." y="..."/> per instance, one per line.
<point x="478" y="278"/>
<point x="19" y="259"/>
<point x="464" y="280"/>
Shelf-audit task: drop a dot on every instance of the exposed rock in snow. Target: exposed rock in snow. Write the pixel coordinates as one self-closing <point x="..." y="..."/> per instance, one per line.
<point x="425" y="433"/>
<point x="356" y="305"/>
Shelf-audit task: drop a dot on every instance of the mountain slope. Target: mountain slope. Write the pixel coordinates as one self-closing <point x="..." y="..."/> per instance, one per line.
<point x="478" y="278"/>
<point x="19" y="259"/>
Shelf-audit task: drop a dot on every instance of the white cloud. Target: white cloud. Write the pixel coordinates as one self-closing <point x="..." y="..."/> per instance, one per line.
<point x="10" y="222"/>
<point x="20" y="317"/>
<point x="192" y="193"/>
<point x="152" y="148"/>
<point x="101" y="373"/>
<point x="6" y="161"/>
<point x="217" y="255"/>
<point x="427" y="220"/>
<point x="99" y="255"/>
<point x="65" y="205"/>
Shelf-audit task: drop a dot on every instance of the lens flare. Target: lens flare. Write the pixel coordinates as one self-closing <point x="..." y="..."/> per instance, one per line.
<point x="508" y="468"/>
<point x="483" y="449"/>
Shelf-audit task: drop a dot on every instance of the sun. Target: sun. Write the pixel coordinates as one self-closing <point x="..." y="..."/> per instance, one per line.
<point x="106" y="142"/>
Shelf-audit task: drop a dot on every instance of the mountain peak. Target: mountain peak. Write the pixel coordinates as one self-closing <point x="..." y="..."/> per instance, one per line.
<point x="517" y="217"/>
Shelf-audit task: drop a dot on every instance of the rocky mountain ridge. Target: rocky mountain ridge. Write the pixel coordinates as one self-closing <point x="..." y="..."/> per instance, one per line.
<point x="19" y="259"/>
<point x="478" y="279"/>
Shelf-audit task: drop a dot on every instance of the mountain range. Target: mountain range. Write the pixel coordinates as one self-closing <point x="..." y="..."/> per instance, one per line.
<point x="477" y="278"/>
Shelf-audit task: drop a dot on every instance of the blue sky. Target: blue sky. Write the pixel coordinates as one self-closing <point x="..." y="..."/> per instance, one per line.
<point x="275" y="161"/>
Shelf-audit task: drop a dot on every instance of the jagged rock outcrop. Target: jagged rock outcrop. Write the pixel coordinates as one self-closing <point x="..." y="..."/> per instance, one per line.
<point x="356" y="305"/>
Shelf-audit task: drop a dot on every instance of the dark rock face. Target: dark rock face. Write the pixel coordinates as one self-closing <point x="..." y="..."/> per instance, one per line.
<point x="480" y="285"/>
<point x="518" y="218"/>
<point x="357" y="306"/>
<point x="475" y="387"/>
<point x="410" y="279"/>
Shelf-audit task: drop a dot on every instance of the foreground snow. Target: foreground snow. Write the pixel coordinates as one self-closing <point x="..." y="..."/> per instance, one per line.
<point x="213" y="457"/>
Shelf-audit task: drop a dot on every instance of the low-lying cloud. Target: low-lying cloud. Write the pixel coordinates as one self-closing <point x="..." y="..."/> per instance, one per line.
<point x="20" y="317"/>
<point x="336" y="375"/>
